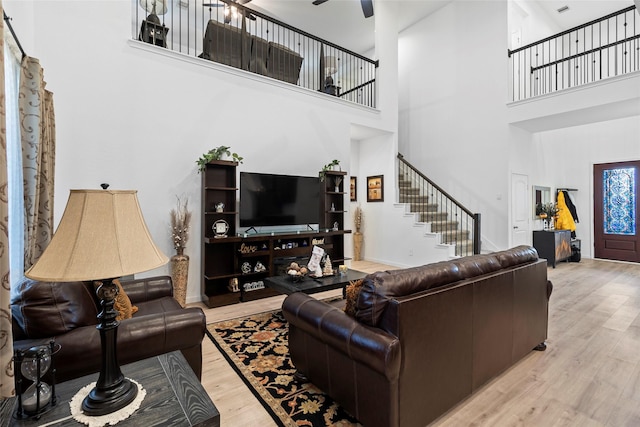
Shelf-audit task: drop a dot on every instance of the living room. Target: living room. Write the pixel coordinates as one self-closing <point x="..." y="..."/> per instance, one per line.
<point x="136" y="118"/>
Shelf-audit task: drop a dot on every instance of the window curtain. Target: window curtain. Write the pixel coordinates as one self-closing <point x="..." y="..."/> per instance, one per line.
<point x="6" y="342"/>
<point x="37" y="131"/>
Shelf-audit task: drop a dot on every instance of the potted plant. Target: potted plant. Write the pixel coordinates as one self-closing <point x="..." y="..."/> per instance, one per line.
<point x="548" y="211"/>
<point x="333" y="165"/>
<point x="216" y="154"/>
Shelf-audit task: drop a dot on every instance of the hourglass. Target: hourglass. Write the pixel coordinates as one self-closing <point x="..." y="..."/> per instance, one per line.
<point x="32" y="365"/>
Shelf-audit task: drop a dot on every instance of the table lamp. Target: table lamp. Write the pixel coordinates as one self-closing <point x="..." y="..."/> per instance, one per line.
<point x="152" y="30"/>
<point x="101" y="237"/>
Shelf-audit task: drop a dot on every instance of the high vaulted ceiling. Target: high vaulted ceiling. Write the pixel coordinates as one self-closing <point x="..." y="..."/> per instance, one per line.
<point x="342" y="21"/>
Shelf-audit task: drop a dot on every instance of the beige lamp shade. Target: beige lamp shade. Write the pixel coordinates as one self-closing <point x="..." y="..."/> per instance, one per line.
<point x="102" y="235"/>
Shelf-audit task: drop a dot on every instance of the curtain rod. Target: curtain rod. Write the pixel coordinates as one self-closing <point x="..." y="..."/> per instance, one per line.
<point x="13" y="33"/>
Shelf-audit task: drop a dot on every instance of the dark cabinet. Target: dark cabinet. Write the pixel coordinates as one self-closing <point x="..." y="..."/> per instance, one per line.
<point x="553" y="245"/>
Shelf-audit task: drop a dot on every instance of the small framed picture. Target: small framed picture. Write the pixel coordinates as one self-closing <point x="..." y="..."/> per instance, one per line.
<point x="353" y="189"/>
<point x="375" y="188"/>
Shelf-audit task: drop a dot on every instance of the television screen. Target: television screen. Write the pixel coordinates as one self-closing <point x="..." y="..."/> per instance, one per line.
<point x="269" y="200"/>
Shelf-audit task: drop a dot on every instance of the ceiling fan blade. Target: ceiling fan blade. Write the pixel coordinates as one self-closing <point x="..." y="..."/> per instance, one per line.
<point x="318" y="2"/>
<point x="367" y="8"/>
<point x="242" y="1"/>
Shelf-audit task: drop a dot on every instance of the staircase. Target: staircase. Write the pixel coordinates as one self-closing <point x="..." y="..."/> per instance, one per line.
<point x="455" y="224"/>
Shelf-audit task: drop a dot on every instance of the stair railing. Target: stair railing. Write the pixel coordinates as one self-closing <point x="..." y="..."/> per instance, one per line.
<point x="447" y="216"/>
<point x="603" y="48"/>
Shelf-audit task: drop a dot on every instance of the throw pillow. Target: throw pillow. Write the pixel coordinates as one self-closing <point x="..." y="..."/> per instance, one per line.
<point x="123" y="304"/>
<point x="351" y="296"/>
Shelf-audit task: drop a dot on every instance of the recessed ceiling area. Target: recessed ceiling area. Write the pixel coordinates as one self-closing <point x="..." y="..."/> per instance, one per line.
<point x="580" y="11"/>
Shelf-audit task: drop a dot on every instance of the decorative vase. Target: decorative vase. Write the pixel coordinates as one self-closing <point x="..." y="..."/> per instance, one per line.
<point x="357" y="246"/>
<point x="180" y="277"/>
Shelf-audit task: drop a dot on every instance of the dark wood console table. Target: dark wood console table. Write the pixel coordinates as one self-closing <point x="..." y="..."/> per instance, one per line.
<point x="174" y="397"/>
<point x="553" y="245"/>
<point x="309" y="285"/>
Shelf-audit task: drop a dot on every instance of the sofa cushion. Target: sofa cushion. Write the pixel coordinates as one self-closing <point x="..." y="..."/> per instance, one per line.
<point x="283" y="63"/>
<point x="379" y="288"/>
<point x="518" y="255"/>
<point x="477" y="265"/>
<point x="47" y="309"/>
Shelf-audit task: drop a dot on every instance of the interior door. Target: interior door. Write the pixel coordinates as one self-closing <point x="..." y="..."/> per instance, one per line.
<point x="615" y="216"/>
<point x="520" y="210"/>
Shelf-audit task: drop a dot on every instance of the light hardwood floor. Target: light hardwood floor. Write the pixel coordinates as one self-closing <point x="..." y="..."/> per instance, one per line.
<point x="588" y="376"/>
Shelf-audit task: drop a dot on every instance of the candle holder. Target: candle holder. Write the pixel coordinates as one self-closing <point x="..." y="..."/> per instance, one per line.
<point x="30" y="366"/>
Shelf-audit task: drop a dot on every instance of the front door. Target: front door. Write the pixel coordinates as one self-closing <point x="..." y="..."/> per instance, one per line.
<point x="615" y="211"/>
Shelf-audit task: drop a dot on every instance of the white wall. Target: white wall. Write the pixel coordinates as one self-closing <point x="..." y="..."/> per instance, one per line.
<point x="453" y="92"/>
<point x="530" y="21"/>
<point x="136" y="119"/>
<point x="569" y="154"/>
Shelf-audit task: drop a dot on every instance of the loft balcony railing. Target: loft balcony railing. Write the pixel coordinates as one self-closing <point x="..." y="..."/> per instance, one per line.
<point x="600" y="49"/>
<point x="234" y="35"/>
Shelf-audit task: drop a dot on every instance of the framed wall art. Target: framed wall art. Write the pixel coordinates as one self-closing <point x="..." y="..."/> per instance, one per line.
<point x="375" y="188"/>
<point x="353" y="189"/>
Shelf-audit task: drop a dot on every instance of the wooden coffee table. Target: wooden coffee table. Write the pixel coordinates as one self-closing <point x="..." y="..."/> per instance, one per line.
<point x="310" y="285"/>
<point x="174" y="397"/>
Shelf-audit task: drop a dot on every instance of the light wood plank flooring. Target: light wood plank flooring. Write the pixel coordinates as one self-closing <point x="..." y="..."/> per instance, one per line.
<point x="588" y="376"/>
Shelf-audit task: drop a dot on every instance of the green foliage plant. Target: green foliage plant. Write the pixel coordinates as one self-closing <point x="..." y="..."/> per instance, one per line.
<point x="216" y="154"/>
<point x="327" y="167"/>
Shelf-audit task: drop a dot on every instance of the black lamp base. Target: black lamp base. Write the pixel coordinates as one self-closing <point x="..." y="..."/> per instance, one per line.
<point x="112" y="391"/>
<point x="105" y="401"/>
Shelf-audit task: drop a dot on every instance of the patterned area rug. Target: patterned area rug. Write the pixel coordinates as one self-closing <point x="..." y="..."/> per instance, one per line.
<point x="257" y="348"/>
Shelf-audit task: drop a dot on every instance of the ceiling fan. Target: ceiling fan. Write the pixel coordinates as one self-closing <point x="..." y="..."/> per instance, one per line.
<point x="367" y="6"/>
<point x="228" y="4"/>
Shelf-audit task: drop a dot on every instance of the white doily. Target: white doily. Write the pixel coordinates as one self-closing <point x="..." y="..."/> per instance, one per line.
<point x="108" y="419"/>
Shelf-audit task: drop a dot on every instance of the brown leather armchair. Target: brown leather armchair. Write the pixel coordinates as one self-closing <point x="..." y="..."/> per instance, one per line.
<point x="66" y="312"/>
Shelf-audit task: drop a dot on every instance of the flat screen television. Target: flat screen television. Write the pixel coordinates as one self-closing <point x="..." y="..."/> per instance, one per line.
<point x="272" y="200"/>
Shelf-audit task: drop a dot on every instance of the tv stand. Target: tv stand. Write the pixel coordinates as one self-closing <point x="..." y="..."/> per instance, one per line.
<point x="235" y="267"/>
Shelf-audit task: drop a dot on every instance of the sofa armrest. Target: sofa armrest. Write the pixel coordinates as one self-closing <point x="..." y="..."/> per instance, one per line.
<point x="137" y="338"/>
<point x="147" y="289"/>
<point x="372" y="347"/>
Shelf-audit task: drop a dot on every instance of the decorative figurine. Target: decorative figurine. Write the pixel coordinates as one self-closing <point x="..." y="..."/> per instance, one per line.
<point x="220" y="207"/>
<point x="233" y="285"/>
<point x="259" y="268"/>
<point x="245" y="268"/>
<point x="328" y="268"/>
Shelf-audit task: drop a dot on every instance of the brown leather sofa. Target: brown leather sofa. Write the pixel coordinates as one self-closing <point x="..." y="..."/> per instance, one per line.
<point x="67" y="313"/>
<point x="233" y="46"/>
<point x="422" y="338"/>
